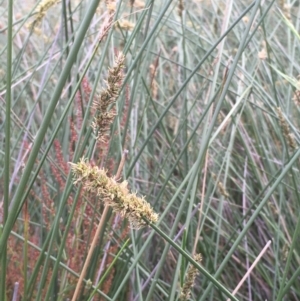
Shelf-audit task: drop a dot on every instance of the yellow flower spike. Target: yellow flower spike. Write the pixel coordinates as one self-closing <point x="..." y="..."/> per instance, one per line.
<point x="114" y="194"/>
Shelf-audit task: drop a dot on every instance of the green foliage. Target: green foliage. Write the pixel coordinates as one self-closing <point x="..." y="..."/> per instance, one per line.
<point x="207" y="107"/>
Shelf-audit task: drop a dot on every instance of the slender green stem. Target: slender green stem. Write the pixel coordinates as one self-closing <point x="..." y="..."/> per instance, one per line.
<point x="46" y="121"/>
<point x="278" y="180"/>
<point x="189" y="258"/>
<point x="284" y="288"/>
<point x="8" y="97"/>
<point x="108" y="270"/>
<point x="185" y="83"/>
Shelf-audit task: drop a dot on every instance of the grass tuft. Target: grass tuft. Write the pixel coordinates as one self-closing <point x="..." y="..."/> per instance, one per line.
<point x="193" y="105"/>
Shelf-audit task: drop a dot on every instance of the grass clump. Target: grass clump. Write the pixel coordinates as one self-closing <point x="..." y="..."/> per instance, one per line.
<point x="192" y="105"/>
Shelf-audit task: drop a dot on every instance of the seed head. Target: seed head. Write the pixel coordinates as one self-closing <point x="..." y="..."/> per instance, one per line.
<point x="190" y="279"/>
<point x="114" y="194"/>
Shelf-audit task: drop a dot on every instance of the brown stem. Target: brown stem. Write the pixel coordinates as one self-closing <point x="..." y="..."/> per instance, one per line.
<point x="97" y="234"/>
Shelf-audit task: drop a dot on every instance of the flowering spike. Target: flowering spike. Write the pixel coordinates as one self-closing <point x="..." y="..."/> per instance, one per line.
<point x="104" y="117"/>
<point x="114" y="194"/>
<point x="190" y="279"/>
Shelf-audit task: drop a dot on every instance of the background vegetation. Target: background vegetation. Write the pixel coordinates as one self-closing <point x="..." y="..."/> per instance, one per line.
<point x="207" y="107"/>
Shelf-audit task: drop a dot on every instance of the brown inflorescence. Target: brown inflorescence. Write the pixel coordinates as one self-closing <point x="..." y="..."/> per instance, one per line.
<point x="180" y="8"/>
<point x="73" y="139"/>
<point x="296" y="97"/>
<point x="190" y="279"/>
<point x="105" y="115"/>
<point x="286" y="130"/>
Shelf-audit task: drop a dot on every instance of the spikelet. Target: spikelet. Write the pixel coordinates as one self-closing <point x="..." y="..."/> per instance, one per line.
<point x="105" y="116"/>
<point x="190" y="279"/>
<point x="125" y="25"/>
<point x="296" y="96"/>
<point x="286" y="131"/>
<point x="180" y="8"/>
<point x="111" y="6"/>
<point x="114" y="194"/>
<point x="222" y="189"/>
<point x="41" y="11"/>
